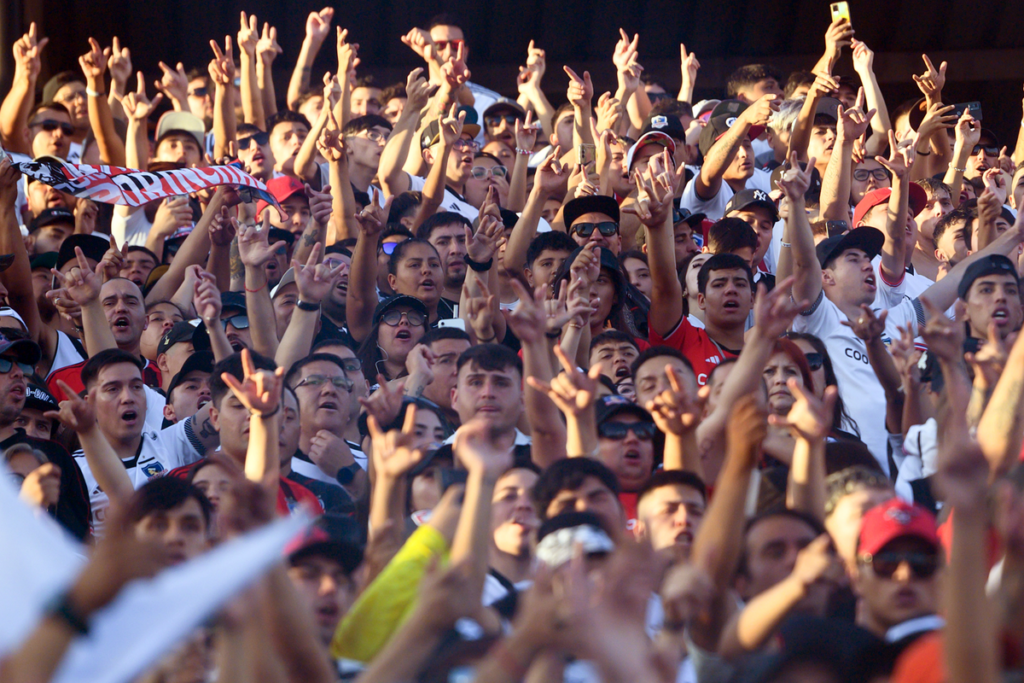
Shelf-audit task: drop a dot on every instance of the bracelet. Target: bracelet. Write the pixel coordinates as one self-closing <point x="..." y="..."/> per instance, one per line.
<point x="784" y="245"/>
<point x="253" y="291"/>
<point x="524" y="152"/>
<point x="477" y="265"/>
<point x="272" y="413"/>
<point x="575" y="325"/>
<point x="61" y="608"/>
<point x="923" y="154"/>
<point x="92" y="93"/>
<point x="959" y="170"/>
<point x="553" y="334"/>
<point x="306" y="306"/>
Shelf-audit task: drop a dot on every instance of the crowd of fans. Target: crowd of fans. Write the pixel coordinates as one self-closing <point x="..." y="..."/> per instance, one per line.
<point x="634" y="388"/>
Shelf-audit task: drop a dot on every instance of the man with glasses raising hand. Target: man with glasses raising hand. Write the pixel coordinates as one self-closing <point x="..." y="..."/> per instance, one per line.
<point x="325" y="410"/>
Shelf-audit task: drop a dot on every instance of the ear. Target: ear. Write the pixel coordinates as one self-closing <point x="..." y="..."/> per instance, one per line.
<point x="214" y="418"/>
<point x="553" y="139"/>
<point x="701" y="302"/>
<point x="827" y="278"/>
<point x="455" y="396"/>
<point x="428" y="157"/>
<point x="939" y="256"/>
<point x="30" y="244"/>
<point x="161" y="362"/>
<point x="169" y="412"/>
<point x="643" y="247"/>
<point x="529" y="277"/>
<point x="392" y="280"/>
<point x="640" y="530"/>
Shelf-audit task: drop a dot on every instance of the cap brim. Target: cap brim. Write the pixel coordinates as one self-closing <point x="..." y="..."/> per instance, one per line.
<point x="867" y="239"/>
<point x="24" y="350"/>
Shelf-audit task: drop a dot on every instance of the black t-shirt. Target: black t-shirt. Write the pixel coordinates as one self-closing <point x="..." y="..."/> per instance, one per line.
<point x="72" y="509"/>
<point x="330" y="331"/>
<point x="334" y="498"/>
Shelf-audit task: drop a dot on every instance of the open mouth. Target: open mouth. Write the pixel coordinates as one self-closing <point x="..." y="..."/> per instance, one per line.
<point x="870" y="281"/>
<point x="327" y="613"/>
<point x="621" y="371"/>
<point x="427" y="284"/>
<point x="327" y="405"/>
<point x="257" y="157"/>
<point x="731" y="304"/>
<point x="1001" y="316"/>
<point x="130" y="416"/>
<point x="202" y="403"/>
<point x="631" y="457"/>
<point x="236" y="343"/>
<point x="121" y="322"/>
<point x="403" y="335"/>
<point x="684" y="537"/>
<point x="18" y="390"/>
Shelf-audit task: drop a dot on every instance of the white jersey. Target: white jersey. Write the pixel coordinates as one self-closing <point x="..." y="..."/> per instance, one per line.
<point x="714" y="208"/>
<point x="132" y="229"/>
<point x="858" y="386"/>
<point x="159" y="453"/>
<point x="451" y="201"/>
<point x="310" y="469"/>
<point x="65" y="354"/>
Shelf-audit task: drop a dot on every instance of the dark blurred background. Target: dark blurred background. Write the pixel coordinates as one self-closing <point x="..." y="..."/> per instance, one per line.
<point x="982" y="41"/>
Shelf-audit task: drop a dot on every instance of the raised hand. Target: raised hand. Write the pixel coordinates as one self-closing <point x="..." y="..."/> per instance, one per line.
<point x="314" y="279"/>
<point x="760" y="112"/>
<point x="259" y="390"/>
<point x="995" y="183"/>
<point x="609" y="113"/>
<point x="76" y="413"/>
<point x="968" y="131"/>
<point x="27" y="52"/>
<point x="318" y="25"/>
<point x="579" y="181"/>
<point x="113" y="261"/>
<point x="551" y="175"/>
<point x="331" y="143"/>
<point x="373" y="218"/>
<point x="454" y="72"/>
<point x="795" y="181"/>
<point x="348" y="55"/>
<point x="451" y="125"/>
<point x="86" y="213"/>
<point x="119" y="63"/>
<point x="171" y="214"/>
<point x="989" y="361"/>
<point x="223" y="228"/>
<point x="808" y="418"/>
<point x="394" y="452"/>
<point x="746" y="428"/>
<point x="420" y="363"/>
<point x="320" y="204"/>
<point x="625" y="50"/>
<point x="417" y="90"/>
<point x="206" y="297"/>
<point x="932" y="80"/>
<point x="587" y="266"/>
<point x="94" y="62"/>
<point x="938" y="116"/>
<point x="838" y="35"/>
<point x="267" y="47"/>
<point x="853" y="121"/>
<point x="775" y="311"/>
<point x="536" y="64"/>
<point x="385" y="402"/>
<point x="906" y="357"/>
<point x="817" y="562"/>
<point x="173" y="83"/>
<point x="478" y="448"/>
<point x="688" y="63"/>
<point x="863" y="57"/>
<point x="581" y="90"/>
<point x="80" y="283"/>
<point x="482" y="244"/>
<point x="675" y="410"/>
<point x="867" y="326"/>
<point x="655" y="197"/>
<point x="420" y="43"/>
<point x="944" y="337"/>
<point x="573" y="390"/>
<point x="526" y="132"/>
<point x="222" y="66"/>
<point x="248" y="35"/>
<point x="528" y="320"/>
<point x="253" y="244"/>
<point x="480" y="309"/>
<point x="137" y="106"/>
<point x="900" y="160"/>
<point x="41" y="487"/>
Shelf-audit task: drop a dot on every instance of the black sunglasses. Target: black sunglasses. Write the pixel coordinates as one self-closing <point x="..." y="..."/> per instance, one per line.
<point x="885" y="564"/>
<point x="49" y="125"/>
<point x="617" y="431"/>
<point x="991" y="151"/>
<point x="606" y="228"/>
<point x="494" y="119"/>
<point x="815" y="360"/>
<point x="239" y="322"/>
<point x="6" y="364"/>
<point x="260" y="139"/>
<point x="198" y="92"/>
<point x="393" y="318"/>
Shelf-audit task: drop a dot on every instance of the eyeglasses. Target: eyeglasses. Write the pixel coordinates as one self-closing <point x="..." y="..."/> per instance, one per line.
<point x="493" y="120"/>
<point x="606" y="228"/>
<point x="815" y="360"/>
<point x="375" y="136"/>
<point x="389" y="247"/>
<point x="885" y="564"/>
<point x="989" y="151"/>
<point x="443" y="45"/>
<point x="6" y="364"/>
<point x="393" y="318"/>
<point x="316" y="381"/>
<point x="259" y="138"/>
<point x="49" y="125"/>
<point x="617" y="431"/>
<point x="463" y="144"/>
<point x="484" y="172"/>
<point x="198" y="92"/>
<point x="351" y="365"/>
<point x="862" y="174"/>
<point x="239" y="322"/>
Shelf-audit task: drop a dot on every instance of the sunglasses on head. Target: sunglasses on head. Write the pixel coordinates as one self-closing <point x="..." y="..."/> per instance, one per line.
<point x="680" y="215"/>
<point x="606" y="228"/>
<point x="198" y="92"/>
<point x="484" y="172"/>
<point x="49" y="125"/>
<point x="259" y="138"/>
<point x="443" y="45"/>
<point x="617" y="431"/>
<point x="815" y="360"/>
<point x="6" y="364"/>
<point x="885" y="564"/>
<point x="239" y="322"/>
<point x="493" y="120"/>
<point x="989" y="151"/>
<point x="393" y="318"/>
<point x="389" y="247"/>
<point x="862" y="174"/>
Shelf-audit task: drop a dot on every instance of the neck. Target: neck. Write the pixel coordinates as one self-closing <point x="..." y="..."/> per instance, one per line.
<point x="361" y="176"/>
<point x="336" y="314"/>
<point x="458" y="186"/>
<point x="850" y="309"/>
<point x="729" y="337"/>
<point x="286" y="467"/>
<point x="695" y="310"/>
<point x="515" y="568"/>
<point x="452" y="293"/>
<point x="394" y="368"/>
<point x="924" y="261"/>
<point x="126" y="449"/>
<point x="134" y="348"/>
<point x="352" y="432"/>
<point x="737" y="184"/>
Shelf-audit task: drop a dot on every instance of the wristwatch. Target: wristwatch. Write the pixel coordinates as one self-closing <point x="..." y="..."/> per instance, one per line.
<point x="347" y="474"/>
<point x="477" y="266"/>
<point x="306" y="306"/>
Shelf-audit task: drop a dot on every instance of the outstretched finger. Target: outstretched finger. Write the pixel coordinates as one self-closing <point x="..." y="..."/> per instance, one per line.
<point x="563" y="359"/>
<point x="409" y="426"/>
<point x="673" y="379"/>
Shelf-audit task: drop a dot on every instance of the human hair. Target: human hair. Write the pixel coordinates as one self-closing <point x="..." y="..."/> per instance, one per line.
<point x="724" y="363"/>
<point x="137" y="248"/>
<point x="366" y="122"/>
<point x="671" y="107"/>
<point x="296" y="368"/>
<point x="393" y="91"/>
<point x="287" y="116"/>
<point x="662" y="478"/>
<point x="440" y="219"/>
<point x="247" y="129"/>
<point x="487" y="155"/>
<point x="851" y="480"/>
<point x="324" y="343"/>
<point x="618" y="315"/>
<point x="933" y="185"/>
<point x="161" y="494"/>
<point x="153" y="304"/>
<point x="778" y="511"/>
<point x="841" y="418"/>
<point x="92" y="368"/>
<point x="445" y="19"/>
<point x="729" y="235"/>
<point x="657" y="352"/>
<point x="552" y="240"/>
<point x="305" y="96"/>
<point x="232" y="365"/>
<point x="723" y="262"/>
<point x="785" y="117"/>
<point x="193" y="74"/>
<point x="367" y="81"/>
<point x="613" y="336"/>
<point x="749" y="75"/>
<point x="404" y="205"/>
<point x="949" y="221"/>
<point x="795" y="80"/>
<point x="402" y="247"/>
<point x="569" y="474"/>
<point x="632" y="253"/>
<point x="565" y="107"/>
<point x="439" y="333"/>
<point x="650" y="79"/>
<point x="490" y="357"/>
<point x="793" y="352"/>
<point x="56" y="106"/>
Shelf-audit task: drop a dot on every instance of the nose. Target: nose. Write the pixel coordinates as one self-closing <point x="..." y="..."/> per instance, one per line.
<point x="682" y="517"/>
<point x="902" y="573"/>
<point x="327" y="584"/>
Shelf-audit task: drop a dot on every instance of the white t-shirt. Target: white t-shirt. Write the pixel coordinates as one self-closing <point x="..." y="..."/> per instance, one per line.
<point x="133" y="229"/>
<point x="858" y="386"/>
<point x="159" y="453"/>
<point x="451" y="201"/>
<point x="714" y="208"/>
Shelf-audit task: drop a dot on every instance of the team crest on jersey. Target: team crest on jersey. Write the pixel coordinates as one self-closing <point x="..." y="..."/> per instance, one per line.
<point x="152" y="469"/>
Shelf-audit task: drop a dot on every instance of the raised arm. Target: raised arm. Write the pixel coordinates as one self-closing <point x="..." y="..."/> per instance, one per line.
<point x="967" y="134"/>
<point x="393" y="179"/>
<point x="93" y="64"/>
<point x="580" y="94"/>
<point x="800" y="138"/>
<point x="526" y="140"/>
<point x="267" y="51"/>
<point x="207" y="303"/>
<point x="138" y="107"/>
<point x="318" y="28"/>
<point x="222" y="73"/>
<point x="677" y="414"/>
<point x="361" y="299"/>
<point x="531" y="95"/>
<point x="83" y="286"/>
<point x="252" y="99"/>
<point x="315" y="282"/>
<point x="863" y="64"/>
<point x="931" y="83"/>
<point x="899" y="163"/>
<point x="394" y="455"/>
<point x="809" y="421"/>
<point x="716" y="162"/>
<point x="255" y="252"/>
<point x="838" y="35"/>
<point x="797" y="256"/>
<point x="689" y="66"/>
<point x="22" y="95"/>
<point x="1001" y="429"/>
<point x="574" y="392"/>
<point x="305" y="164"/>
<point x="260" y="392"/>
<point x="450" y="127"/>
<point x="835" y="186"/>
<point x="654" y="203"/>
<point x="549" y="177"/>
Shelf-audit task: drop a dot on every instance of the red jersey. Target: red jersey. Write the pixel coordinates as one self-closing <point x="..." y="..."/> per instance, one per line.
<point x="694" y="343"/>
<point x="290" y="495"/>
<point x="72" y="376"/>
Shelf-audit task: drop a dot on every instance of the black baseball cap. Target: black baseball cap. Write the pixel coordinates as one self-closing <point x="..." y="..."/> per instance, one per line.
<point x="38" y="398"/>
<point x="662" y="123"/>
<point x="200" y="361"/>
<point x="93" y="246"/>
<point x="57" y="214"/>
<point x="746" y="198"/>
<point x="431" y="134"/>
<point x="865" y="238"/>
<point x="181" y="331"/>
<point x="332" y="535"/>
<point x="45" y="260"/>
<point x="279" y="235"/>
<point x="595" y="203"/>
<point x="24" y="350"/>
<point x="400" y="300"/>
<point x="995" y="264"/>
<point x="232" y="300"/>
<point x="608" y="407"/>
<point x="503" y="104"/>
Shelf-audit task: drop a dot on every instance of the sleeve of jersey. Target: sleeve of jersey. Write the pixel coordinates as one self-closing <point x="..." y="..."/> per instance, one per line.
<point x="181" y="443"/>
<point x="386" y="603"/>
<point x="681" y="336"/>
<point x="815" y="320"/>
<point x="891" y="293"/>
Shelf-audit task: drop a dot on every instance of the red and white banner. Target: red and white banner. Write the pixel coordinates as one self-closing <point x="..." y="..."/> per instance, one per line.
<point x="115" y="185"/>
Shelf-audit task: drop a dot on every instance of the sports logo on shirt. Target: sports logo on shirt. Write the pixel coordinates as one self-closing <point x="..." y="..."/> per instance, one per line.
<point x="152" y="469"/>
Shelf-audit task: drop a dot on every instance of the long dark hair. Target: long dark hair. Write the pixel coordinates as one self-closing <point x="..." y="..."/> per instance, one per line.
<point x="840" y="415"/>
<point x="628" y="313"/>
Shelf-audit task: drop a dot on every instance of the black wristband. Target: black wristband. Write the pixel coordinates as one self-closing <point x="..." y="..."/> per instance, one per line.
<point x="346" y="474"/>
<point x="554" y="334"/>
<point x="477" y="266"/>
<point x="306" y="306"/>
<point x="272" y="413"/>
<point x="61" y="608"/>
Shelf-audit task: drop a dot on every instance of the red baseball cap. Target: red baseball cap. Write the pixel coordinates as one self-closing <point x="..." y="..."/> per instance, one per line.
<point x="894" y="519"/>
<point x="282" y="188"/>
<point x="916" y="203"/>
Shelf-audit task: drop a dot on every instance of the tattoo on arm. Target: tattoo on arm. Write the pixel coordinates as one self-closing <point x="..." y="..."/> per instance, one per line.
<point x="206" y="430"/>
<point x="310" y="237"/>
